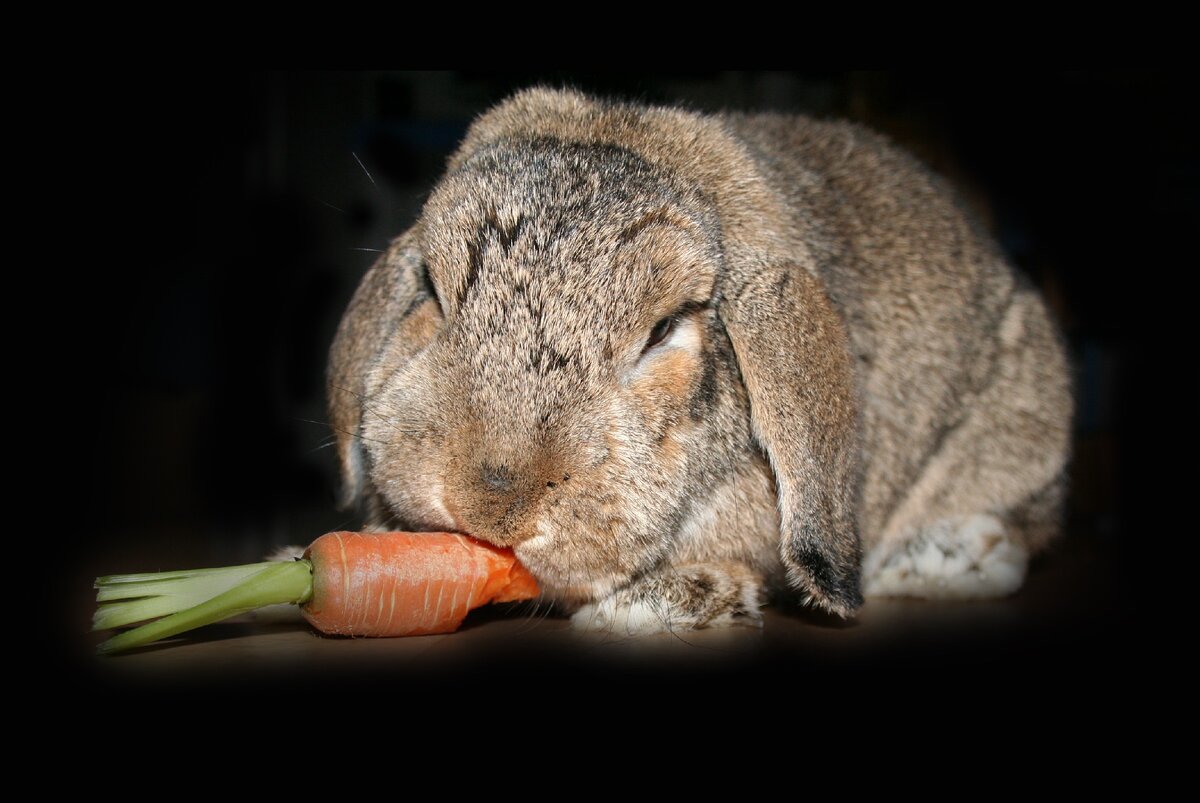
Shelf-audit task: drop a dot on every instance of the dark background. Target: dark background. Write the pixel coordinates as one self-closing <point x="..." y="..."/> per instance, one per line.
<point x="233" y="221"/>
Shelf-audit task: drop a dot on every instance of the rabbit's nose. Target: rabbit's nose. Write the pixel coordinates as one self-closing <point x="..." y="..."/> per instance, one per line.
<point x="494" y="499"/>
<point x="496" y="478"/>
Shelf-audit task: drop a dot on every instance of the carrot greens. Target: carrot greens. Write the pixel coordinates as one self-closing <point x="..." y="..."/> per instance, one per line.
<point x="172" y="602"/>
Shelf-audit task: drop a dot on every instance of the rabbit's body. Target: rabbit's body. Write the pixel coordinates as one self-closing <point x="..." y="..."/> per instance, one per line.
<point x="961" y="376"/>
<point x="676" y="359"/>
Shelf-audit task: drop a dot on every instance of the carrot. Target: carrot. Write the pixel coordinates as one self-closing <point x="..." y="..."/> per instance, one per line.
<point x="350" y="584"/>
<point x="407" y="583"/>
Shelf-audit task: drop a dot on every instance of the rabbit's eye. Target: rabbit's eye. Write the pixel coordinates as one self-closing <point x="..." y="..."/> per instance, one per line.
<point x="660" y="331"/>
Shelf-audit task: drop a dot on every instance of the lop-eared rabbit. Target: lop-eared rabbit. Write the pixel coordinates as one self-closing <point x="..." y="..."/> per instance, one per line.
<point x="681" y="361"/>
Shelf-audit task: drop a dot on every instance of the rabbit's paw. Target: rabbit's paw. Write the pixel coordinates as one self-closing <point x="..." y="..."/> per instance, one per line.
<point x="680" y="598"/>
<point x="972" y="557"/>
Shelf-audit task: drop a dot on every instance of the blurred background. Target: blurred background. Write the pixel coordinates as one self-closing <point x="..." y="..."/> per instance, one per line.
<point x="245" y="207"/>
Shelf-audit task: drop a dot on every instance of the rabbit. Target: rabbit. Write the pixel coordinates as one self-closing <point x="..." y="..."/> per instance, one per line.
<point x="684" y="364"/>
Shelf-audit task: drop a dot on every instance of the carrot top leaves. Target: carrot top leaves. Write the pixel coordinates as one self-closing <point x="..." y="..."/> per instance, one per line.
<point x="181" y="601"/>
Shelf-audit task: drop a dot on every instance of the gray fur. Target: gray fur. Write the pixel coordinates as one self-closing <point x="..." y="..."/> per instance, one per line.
<point x="853" y="363"/>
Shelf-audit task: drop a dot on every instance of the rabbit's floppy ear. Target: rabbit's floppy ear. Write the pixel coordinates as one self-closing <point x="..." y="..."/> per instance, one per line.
<point x="394" y="291"/>
<point x="794" y="358"/>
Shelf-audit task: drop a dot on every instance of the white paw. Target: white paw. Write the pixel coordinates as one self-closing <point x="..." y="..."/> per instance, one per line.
<point x="968" y="558"/>
<point x="622" y="618"/>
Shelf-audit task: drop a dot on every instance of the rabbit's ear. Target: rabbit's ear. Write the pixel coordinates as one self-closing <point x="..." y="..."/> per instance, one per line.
<point x="395" y="288"/>
<point x="794" y="358"/>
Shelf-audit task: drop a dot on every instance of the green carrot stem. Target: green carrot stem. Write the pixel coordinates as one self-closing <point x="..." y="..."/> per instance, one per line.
<point x="121" y="580"/>
<point x="131" y="598"/>
<point x="273" y="583"/>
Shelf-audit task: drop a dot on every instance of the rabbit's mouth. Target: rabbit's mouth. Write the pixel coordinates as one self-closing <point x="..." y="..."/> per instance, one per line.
<point x="583" y="564"/>
<point x="563" y="584"/>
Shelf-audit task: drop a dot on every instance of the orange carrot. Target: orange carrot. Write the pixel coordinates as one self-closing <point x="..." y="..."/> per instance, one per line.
<point x="407" y="584"/>
<point x="352" y="584"/>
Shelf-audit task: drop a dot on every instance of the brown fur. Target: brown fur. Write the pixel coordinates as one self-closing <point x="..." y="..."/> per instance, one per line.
<point x="852" y="361"/>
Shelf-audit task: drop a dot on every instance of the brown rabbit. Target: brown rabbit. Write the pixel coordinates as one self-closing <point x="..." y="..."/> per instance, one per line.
<point x="677" y="360"/>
